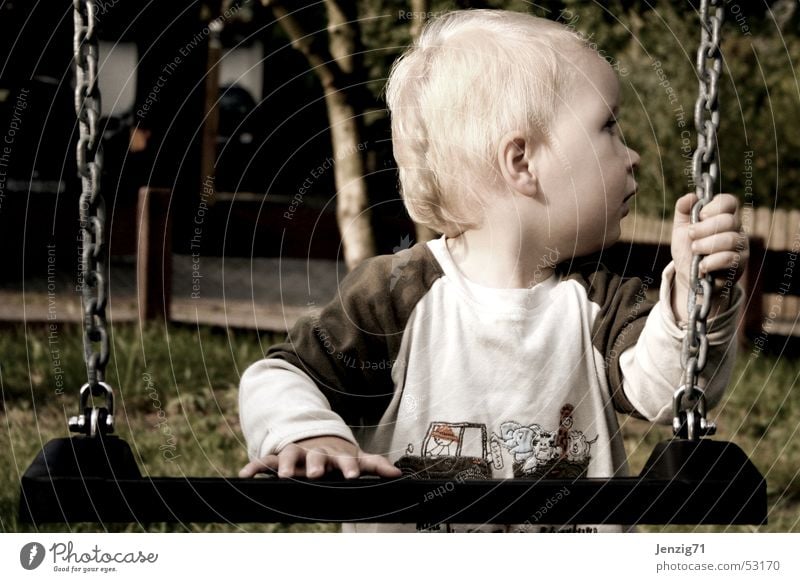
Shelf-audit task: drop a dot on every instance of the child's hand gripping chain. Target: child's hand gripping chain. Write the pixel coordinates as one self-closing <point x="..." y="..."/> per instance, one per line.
<point x="719" y="237"/>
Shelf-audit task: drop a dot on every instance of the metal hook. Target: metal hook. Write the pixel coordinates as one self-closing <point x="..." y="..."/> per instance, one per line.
<point x="690" y="423"/>
<point x="101" y="419"/>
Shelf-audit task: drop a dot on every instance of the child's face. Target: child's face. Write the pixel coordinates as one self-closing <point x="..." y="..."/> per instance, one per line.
<point x="587" y="173"/>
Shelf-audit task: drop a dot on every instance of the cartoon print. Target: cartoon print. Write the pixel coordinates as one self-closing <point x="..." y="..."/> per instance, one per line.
<point x="496" y="454"/>
<point x="450" y="450"/>
<point x="562" y="441"/>
<point x="544" y="452"/>
<point x="545" y="447"/>
<point x="443" y="437"/>
<point x="519" y="439"/>
<point x="579" y="448"/>
<point x="536" y="452"/>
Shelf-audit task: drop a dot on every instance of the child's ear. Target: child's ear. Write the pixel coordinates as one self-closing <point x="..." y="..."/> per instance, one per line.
<point x="514" y="159"/>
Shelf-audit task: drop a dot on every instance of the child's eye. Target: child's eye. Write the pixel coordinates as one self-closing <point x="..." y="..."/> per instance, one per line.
<point x="611" y="125"/>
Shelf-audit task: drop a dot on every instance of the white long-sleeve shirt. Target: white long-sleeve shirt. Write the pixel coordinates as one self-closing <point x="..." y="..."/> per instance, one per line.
<point x="415" y="362"/>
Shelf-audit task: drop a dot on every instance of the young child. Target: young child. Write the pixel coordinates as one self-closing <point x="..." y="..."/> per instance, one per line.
<point x="504" y="339"/>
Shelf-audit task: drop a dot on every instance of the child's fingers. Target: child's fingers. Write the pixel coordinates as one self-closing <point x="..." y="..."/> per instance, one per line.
<point x="320" y="459"/>
<point x="719" y="262"/>
<point x="269" y="462"/>
<point x="348" y="465"/>
<point x="683" y="208"/>
<point x="316" y="462"/>
<point x="287" y="460"/>
<point x="719" y="223"/>
<point x="378" y="465"/>
<point x="716" y="243"/>
<point x="720" y="204"/>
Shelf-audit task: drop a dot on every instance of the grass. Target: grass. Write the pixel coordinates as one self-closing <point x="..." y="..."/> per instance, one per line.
<point x="176" y="400"/>
<point x="186" y="379"/>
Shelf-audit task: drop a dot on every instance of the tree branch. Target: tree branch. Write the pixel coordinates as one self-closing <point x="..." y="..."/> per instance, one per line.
<point x="310" y="46"/>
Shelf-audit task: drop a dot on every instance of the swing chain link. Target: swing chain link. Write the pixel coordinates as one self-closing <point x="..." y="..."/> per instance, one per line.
<point x="690" y="421"/>
<point x="92" y="216"/>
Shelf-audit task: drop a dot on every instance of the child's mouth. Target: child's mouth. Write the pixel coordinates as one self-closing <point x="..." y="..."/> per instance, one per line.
<point x="625" y="207"/>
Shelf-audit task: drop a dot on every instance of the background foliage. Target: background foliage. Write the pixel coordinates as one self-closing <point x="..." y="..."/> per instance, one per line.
<point x="759" y="91"/>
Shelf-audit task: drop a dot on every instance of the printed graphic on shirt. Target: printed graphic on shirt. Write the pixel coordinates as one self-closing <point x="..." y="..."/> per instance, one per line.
<point x="537" y="452"/>
<point x="450" y="450"/>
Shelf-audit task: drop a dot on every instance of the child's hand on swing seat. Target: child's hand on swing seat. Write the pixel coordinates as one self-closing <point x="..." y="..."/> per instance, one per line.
<point x="316" y="456"/>
<point x="719" y="237"/>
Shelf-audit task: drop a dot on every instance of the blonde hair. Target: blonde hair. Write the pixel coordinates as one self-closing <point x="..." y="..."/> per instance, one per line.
<point x="472" y="77"/>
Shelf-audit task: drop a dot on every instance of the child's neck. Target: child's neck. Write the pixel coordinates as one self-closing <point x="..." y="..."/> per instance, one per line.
<point x="501" y="259"/>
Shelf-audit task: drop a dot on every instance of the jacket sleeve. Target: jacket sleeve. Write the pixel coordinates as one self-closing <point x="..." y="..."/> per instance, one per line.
<point x="651" y="368"/>
<point x="280" y="404"/>
<point x="335" y="369"/>
<point x="322" y="379"/>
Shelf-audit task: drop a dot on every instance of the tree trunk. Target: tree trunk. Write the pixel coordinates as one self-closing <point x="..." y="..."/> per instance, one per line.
<point x="352" y="204"/>
<point x="338" y="68"/>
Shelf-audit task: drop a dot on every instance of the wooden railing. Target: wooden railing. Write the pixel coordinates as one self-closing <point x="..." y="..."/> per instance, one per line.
<point x="772" y="277"/>
<point x="771" y="280"/>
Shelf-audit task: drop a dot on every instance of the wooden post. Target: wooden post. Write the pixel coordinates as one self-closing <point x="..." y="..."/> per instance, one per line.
<point x="753" y="314"/>
<point x="154" y="254"/>
<point x="208" y="152"/>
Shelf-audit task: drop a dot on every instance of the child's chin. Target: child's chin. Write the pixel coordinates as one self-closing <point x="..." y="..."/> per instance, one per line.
<point x="609" y="239"/>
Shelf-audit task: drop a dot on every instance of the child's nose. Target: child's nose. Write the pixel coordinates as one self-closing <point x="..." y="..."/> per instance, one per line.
<point x="633" y="159"/>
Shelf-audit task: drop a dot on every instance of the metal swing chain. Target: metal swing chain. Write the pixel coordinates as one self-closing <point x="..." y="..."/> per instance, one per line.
<point x="92" y="223"/>
<point x="690" y="422"/>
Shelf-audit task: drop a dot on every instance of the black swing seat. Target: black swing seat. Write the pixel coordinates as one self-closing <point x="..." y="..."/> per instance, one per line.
<point x="96" y="479"/>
